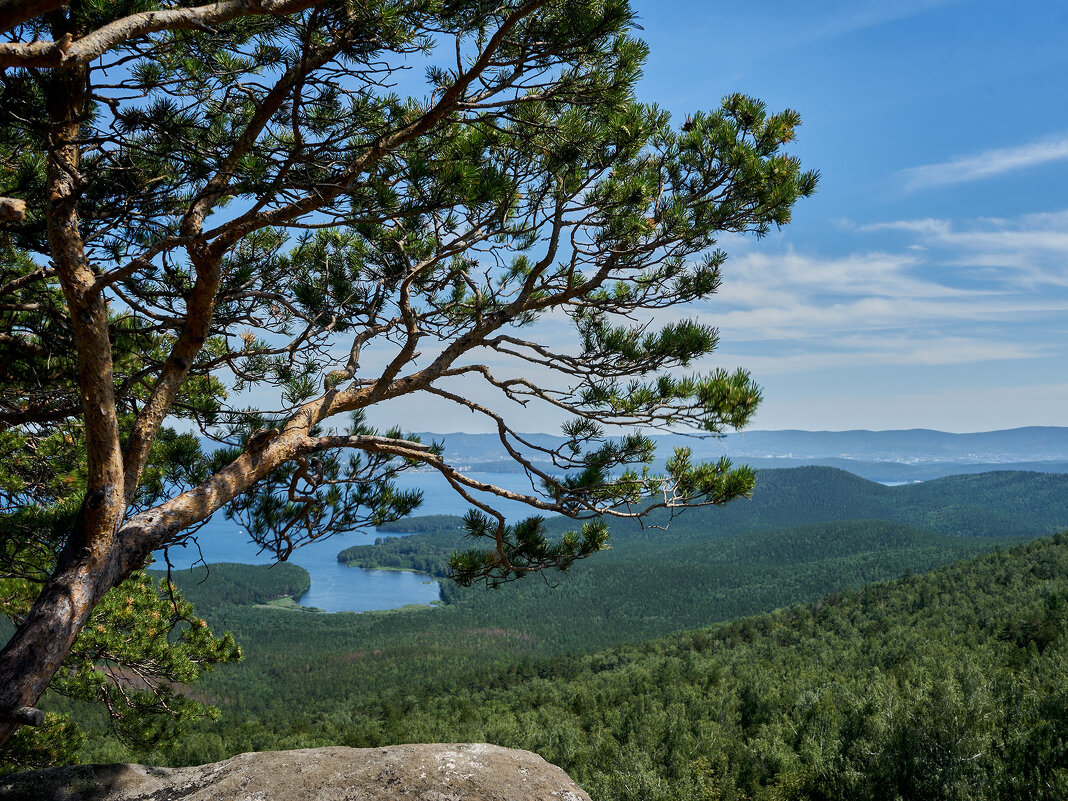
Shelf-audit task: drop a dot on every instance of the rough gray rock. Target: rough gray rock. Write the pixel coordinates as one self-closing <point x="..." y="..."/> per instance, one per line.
<point x="468" y="772"/>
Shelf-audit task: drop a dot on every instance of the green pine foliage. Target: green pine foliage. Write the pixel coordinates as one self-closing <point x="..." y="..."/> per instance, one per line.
<point x="143" y="644"/>
<point x="143" y="647"/>
<point x="232" y="203"/>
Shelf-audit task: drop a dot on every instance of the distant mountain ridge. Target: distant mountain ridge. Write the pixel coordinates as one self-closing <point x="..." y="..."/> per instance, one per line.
<point x="893" y="456"/>
<point x="1032" y="443"/>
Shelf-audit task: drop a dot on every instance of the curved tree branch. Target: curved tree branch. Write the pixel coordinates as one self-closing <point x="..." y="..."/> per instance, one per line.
<point x="69" y="52"/>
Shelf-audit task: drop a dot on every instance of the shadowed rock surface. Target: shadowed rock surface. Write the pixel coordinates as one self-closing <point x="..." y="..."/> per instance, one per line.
<point x="467" y="772"/>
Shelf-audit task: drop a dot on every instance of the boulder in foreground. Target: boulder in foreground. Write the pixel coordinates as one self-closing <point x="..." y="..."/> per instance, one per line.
<point x="466" y="772"/>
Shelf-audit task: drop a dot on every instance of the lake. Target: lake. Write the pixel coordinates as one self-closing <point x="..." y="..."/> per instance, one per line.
<point x="334" y="586"/>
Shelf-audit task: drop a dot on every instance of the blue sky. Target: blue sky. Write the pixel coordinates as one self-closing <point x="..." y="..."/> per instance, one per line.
<point x="926" y="284"/>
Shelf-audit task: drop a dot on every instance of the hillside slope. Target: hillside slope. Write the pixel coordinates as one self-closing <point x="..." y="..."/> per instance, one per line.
<point x="311" y="679"/>
<point x="1001" y="505"/>
<point x="1004" y="503"/>
<point x="994" y="504"/>
<point x="949" y="685"/>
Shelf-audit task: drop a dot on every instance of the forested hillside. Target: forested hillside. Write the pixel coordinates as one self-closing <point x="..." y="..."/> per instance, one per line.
<point x="949" y="685"/>
<point x="985" y="505"/>
<point x="314" y="663"/>
<point x="1000" y="504"/>
<point x="835" y="700"/>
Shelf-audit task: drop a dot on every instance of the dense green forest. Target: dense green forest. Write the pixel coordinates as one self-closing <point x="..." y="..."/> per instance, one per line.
<point x="714" y="714"/>
<point x="990" y="505"/>
<point x="949" y="685"/>
<point x="997" y="504"/>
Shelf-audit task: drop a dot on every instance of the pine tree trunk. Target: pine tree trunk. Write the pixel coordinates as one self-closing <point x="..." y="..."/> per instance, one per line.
<point x="94" y="558"/>
<point x="37" y="649"/>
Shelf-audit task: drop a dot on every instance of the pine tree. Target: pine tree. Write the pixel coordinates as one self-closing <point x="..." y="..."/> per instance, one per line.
<point x="225" y="216"/>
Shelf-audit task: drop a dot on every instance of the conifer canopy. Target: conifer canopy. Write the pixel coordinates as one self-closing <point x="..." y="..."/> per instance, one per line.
<point x="254" y="220"/>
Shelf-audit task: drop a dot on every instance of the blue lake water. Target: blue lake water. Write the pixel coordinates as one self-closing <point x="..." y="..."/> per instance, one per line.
<point x="335" y="587"/>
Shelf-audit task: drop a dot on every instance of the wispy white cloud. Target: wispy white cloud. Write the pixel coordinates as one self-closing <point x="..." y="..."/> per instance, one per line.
<point x="987" y="164"/>
<point x="807" y="320"/>
<point x="1024" y="253"/>
<point x="890" y="351"/>
<point x="948" y="297"/>
<point x="951" y="293"/>
<point x="751" y="276"/>
<point x="798" y="297"/>
<point x="855" y="16"/>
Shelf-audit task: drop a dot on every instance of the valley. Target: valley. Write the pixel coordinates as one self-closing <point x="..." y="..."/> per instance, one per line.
<point x="576" y="667"/>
